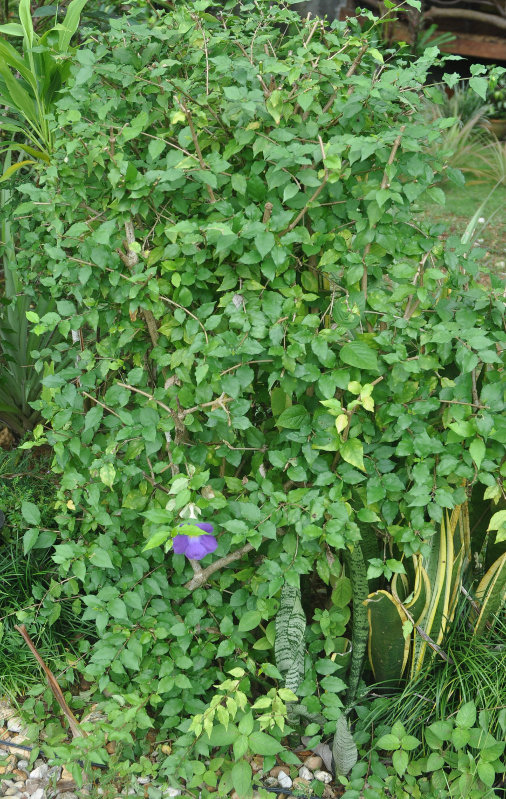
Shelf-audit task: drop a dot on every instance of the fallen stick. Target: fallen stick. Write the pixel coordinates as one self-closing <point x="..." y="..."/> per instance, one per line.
<point x="77" y="732"/>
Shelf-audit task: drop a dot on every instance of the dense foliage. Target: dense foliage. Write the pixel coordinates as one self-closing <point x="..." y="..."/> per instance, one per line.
<point x="264" y="338"/>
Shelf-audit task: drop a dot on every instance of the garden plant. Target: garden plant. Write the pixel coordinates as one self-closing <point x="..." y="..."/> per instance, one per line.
<point x="276" y="411"/>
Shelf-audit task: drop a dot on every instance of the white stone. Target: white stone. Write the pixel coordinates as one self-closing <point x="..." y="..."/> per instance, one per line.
<point x="40" y="773"/>
<point x="15" y="724"/>
<point x="143" y="780"/>
<point x="284" y="780"/>
<point x="23" y="764"/>
<point x="323" y="776"/>
<point x="38" y="794"/>
<point x="305" y="774"/>
<point x="171" y="791"/>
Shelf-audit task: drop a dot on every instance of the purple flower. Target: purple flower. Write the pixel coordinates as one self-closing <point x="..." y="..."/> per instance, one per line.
<point x="195" y="547"/>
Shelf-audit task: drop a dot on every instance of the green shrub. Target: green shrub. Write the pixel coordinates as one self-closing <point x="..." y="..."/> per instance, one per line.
<point x="271" y="342"/>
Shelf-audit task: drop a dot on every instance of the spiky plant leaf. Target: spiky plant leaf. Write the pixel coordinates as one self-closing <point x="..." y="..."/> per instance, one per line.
<point x="491" y="593"/>
<point x="344" y="749"/>
<point x="289" y="641"/>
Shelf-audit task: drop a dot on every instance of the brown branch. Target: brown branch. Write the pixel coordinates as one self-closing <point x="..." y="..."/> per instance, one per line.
<point x="196" y="144"/>
<point x="201" y="577"/>
<point x="315" y="194"/>
<point x="149" y="396"/>
<point x="176" y="305"/>
<point x="384" y="184"/>
<point x="77" y="732"/>
<point x="465" y="13"/>
<point x="131" y="259"/>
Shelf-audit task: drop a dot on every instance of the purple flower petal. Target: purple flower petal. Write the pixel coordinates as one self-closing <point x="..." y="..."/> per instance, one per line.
<point x="205" y="526"/>
<point x="209" y="542"/>
<point x="200" y="546"/>
<point x="196" y="549"/>
<point x="180" y="544"/>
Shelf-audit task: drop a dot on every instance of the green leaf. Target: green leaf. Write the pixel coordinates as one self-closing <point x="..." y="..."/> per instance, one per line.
<point x="477" y="450"/>
<point x="352" y="452"/>
<point x="342" y="593"/>
<point x="30" y="512"/>
<point x="157" y="539"/>
<point x="480" y="86"/>
<point x="264" y="242"/>
<point x="293" y="418"/>
<point x="435" y="762"/>
<point x="242" y="779"/>
<point x="101" y="558"/>
<point x="498" y="520"/>
<point x="29" y="539"/>
<point x="262" y="744"/>
<point x="466" y="716"/>
<point x="486" y="773"/>
<point x="107" y="474"/>
<point x="400" y="760"/>
<point x="250" y="620"/>
<point x="388" y="742"/>
<point x="359" y="353"/>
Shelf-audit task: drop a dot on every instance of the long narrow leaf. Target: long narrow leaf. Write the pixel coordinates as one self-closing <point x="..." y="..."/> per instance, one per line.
<point x="14" y="168"/>
<point x="70" y="24"/>
<point x="25" y="17"/>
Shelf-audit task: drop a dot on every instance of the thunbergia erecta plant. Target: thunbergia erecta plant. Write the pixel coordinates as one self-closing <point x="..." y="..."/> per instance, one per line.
<point x="198" y="546"/>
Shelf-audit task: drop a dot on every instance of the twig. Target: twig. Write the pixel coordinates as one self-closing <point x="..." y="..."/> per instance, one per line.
<point x="106" y="407"/>
<point x="238" y="365"/>
<point x="315" y="194"/>
<point x="77" y="732"/>
<point x="131" y="259"/>
<point x="200" y="578"/>
<point x="384" y="184"/>
<point x="311" y="33"/>
<point x="196" y="144"/>
<point x="176" y="305"/>
<point x="149" y="396"/>
<point x="421" y="632"/>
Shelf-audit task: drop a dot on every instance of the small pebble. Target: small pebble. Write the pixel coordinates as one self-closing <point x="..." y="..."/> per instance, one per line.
<point x="23" y="764"/>
<point x="274" y="772"/>
<point x="11" y="792"/>
<point x="271" y="781"/>
<point x="14" y="724"/>
<point x="314" y="762"/>
<point x="300" y="783"/>
<point x="171" y="791"/>
<point x="323" y="776"/>
<point x="38" y="794"/>
<point x="305" y="774"/>
<point x="143" y="780"/>
<point x="40" y="773"/>
<point x="67" y="795"/>
<point x="284" y="780"/>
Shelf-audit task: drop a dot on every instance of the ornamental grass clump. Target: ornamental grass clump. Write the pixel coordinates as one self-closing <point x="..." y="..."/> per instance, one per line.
<point x="269" y="335"/>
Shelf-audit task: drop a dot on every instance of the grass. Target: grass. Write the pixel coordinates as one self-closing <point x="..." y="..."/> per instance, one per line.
<point x="475" y="672"/>
<point x="26" y="581"/>
<point x="462" y="202"/>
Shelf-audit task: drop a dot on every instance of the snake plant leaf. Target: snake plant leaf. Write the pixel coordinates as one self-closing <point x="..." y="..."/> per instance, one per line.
<point x="360" y="629"/>
<point x="289" y="640"/>
<point x="388" y="649"/>
<point x="344" y="748"/>
<point x="491" y="593"/>
<point x="439" y="574"/>
<point x="418" y="601"/>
